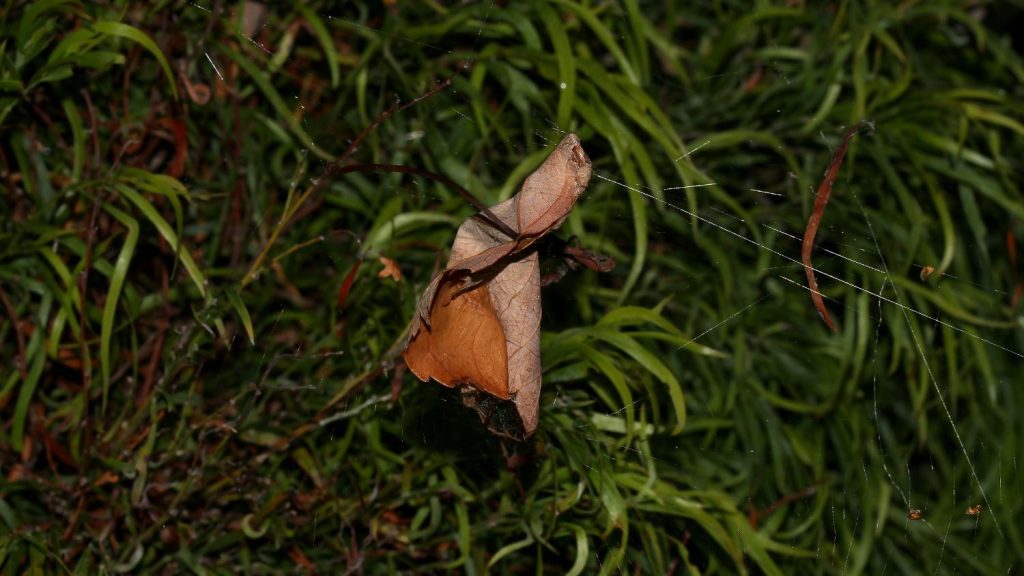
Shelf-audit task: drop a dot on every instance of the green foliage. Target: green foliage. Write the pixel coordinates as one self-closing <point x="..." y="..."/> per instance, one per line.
<point x="201" y="368"/>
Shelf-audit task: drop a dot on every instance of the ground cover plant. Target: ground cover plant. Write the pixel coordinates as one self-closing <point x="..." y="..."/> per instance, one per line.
<point x="217" y="218"/>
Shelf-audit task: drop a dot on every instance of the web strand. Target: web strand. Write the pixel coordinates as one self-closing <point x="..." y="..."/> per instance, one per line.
<point x="822" y="272"/>
<point x="931" y="376"/>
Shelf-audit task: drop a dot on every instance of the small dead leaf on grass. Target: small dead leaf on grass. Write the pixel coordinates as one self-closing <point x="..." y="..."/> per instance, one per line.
<point x="389" y="270"/>
<point x="477" y="325"/>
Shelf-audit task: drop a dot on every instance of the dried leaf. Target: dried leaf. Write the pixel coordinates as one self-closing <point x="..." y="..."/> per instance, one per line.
<point x="389" y="270"/>
<point x="820" y="201"/>
<point x="478" y="323"/>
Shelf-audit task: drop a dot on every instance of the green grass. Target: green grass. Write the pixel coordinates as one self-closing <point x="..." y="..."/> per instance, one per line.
<point x="181" y="390"/>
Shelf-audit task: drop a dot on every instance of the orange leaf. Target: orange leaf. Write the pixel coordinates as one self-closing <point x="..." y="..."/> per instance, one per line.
<point x="390" y="269"/>
<point x="478" y="323"/>
<point x="107" y="477"/>
<point x="465" y="343"/>
<point x="301" y="560"/>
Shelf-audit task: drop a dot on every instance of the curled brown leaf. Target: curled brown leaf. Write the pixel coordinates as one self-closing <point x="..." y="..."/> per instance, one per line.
<point x="477" y="324"/>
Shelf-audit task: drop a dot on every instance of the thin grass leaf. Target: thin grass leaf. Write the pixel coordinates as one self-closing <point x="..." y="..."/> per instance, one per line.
<point x="582" y="551"/>
<point x="235" y="298"/>
<point x="607" y="367"/>
<point x="113" y="296"/>
<point x="509" y="549"/>
<point x="36" y="354"/>
<point x="604" y="34"/>
<point x="262" y="80"/>
<point x="154" y="217"/>
<point x="166" y="186"/>
<point x="326" y="42"/>
<point x="824" y="109"/>
<point x="649" y="362"/>
<point x="77" y="138"/>
<point x="135" y="35"/>
<point x="566" y="63"/>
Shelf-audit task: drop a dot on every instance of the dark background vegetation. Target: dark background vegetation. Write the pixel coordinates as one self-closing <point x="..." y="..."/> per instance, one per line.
<point x="199" y="368"/>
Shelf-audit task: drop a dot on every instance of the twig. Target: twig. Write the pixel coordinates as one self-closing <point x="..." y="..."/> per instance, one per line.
<point x="395" y="108"/>
<point x="466" y="194"/>
<point x="334" y="169"/>
<point x="755" y="515"/>
<point x="824" y="191"/>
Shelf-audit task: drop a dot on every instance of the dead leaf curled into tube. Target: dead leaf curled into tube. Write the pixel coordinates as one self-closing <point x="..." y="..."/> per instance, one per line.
<point x="477" y="325"/>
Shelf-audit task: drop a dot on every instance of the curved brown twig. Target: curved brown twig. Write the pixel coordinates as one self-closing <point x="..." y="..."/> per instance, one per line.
<point x="466" y="194"/>
<point x="336" y="168"/>
<point x="824" y="191"/>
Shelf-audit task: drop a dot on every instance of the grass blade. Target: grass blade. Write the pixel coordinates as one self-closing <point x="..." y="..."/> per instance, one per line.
<point x="154" y="217"/>
<point x="134" y="34"/>
<point x="117" y="279"/>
